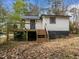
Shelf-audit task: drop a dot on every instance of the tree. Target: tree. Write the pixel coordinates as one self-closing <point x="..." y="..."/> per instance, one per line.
<point x="75" y="17"/>
<point x="19" y="9"/>
<point x="56" y="6"/>
<point x="3" y="14"/>
<point x="34" y="9"/>
<point x="75" y="13"/>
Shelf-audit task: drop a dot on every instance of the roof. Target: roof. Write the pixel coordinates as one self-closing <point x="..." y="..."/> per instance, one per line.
<point x="56" y="15"/>
<point x="31" y="17"/>
<point x="35" y="17"/>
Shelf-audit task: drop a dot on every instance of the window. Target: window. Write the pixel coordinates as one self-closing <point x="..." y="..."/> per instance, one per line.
<point x="52" y="20"/>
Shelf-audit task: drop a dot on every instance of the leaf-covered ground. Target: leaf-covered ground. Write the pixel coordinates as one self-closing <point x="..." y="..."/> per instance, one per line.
<point x="56" y="49"/>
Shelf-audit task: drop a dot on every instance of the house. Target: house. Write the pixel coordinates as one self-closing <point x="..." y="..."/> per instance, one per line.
<point x="56" y="25"/>
<point x="46" y="26"/>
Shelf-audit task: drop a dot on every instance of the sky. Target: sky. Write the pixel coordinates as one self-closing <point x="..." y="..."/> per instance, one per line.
<point x="41" y="3"/>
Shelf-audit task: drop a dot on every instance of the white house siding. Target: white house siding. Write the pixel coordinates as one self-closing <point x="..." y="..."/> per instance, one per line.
<point x="62" y="24"/>
<point x="27" y="26"/>
<point x="45" y="22"/>
<point x="39" y="24"/>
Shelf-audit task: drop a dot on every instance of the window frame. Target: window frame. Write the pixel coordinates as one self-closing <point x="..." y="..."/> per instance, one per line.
<point x="52" y="20"/>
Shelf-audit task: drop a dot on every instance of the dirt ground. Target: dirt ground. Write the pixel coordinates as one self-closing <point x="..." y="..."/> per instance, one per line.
<point x="67" y="48"/>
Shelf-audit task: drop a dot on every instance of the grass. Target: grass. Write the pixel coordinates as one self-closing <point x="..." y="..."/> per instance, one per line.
<point x="64" y="48"/>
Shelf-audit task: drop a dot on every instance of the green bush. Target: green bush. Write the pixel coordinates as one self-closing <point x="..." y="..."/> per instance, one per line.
<point x="20" y="36"/>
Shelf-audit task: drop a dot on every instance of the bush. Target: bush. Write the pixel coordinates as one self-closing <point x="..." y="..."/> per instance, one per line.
<point x="73" y="28"/>
<point x="20" y="36"/>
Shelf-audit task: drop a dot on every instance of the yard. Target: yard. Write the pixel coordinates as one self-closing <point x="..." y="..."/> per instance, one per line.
<point x="67" y="48"/>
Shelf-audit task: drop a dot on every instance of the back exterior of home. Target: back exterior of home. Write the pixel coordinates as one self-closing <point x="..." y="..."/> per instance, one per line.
<point x="46" y="26"/>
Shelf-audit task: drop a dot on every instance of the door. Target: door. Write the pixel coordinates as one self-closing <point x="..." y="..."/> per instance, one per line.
<point x="32" y="24"/>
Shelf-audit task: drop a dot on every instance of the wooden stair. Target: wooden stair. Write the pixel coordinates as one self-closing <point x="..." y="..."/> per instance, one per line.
<point x="41" y="35"/>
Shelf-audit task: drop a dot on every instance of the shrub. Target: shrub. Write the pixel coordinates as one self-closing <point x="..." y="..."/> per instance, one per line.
<point x="20" y="36"/>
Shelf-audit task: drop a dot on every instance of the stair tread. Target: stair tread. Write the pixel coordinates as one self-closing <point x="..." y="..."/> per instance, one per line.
<point x="41" y="32"/>
<point x="42" y="35"/>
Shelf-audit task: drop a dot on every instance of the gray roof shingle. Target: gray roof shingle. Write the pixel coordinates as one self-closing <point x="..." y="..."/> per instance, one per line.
<point x="31" y="17"/>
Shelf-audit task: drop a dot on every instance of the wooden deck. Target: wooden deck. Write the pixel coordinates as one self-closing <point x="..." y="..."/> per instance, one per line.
<point x="15" y="30"/>
<point x="41" y="35"/>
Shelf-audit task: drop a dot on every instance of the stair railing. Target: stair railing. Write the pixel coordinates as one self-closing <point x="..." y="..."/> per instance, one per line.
<point x="47" y="35"/>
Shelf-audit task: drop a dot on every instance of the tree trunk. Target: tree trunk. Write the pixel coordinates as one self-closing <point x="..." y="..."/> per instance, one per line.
<point x="7" y="33"/>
